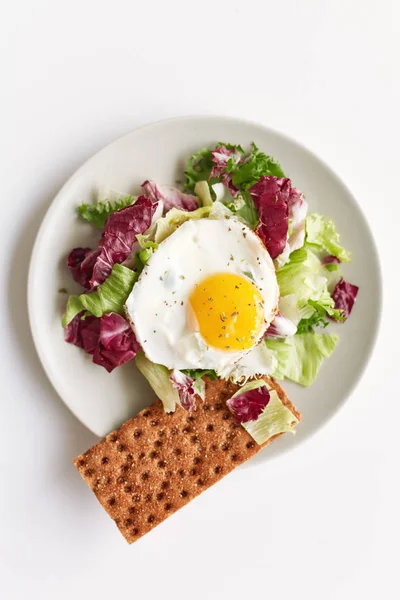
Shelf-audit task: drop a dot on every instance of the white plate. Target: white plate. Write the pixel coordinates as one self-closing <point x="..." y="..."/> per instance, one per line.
<point x="159" y="151"/>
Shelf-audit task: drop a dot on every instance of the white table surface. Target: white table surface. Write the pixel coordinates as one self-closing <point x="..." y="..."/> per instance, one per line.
<point x="318" y="523"/>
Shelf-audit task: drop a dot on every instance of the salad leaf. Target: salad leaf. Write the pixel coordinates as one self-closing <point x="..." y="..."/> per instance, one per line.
<point x="297" y="213"/>
<point x="344" y="295"/>
<point x="202" y="191"/>
<point x="321" y="231"/>
<point x="255" y="165"/>
<point x="248" y="212"/>
<point x="142" y="256"/>
<point x="120" y="231"/>
<point x="281" y="327"/>
<point x="271" y="198"/>
<point x="242" y="207"/>
<point x="330" y="260"/>
<point x="83" y="333"/>
<point x="323" y="307"/>
<point x="117" y="343"/>
<point x="294" y="310"/>
<point x="171" y="197"/>
<point x="158" y="377"/>
<point x="174" y="218"/>
<point x="198" y="168"/>
<point x="220" y="211"/>
<point x="231" y="165"/>
<point x="109" y="339"/>
<point x="302" y="276"/>
<point x="197" y="374"/>
<point x="331" y="267"/>
<point x="110" y="296"/>
<point x="300" y="357"/>
<point x="318" y="318"/>
<point x="302" y="279"/>
<point x="249" y="401"/>
<point x="184" y="385"/>
<point x="276" y="418"/>
<point x="221" y="156"/>
<point x="98" y="213"/>
<point x="80" y="262"/>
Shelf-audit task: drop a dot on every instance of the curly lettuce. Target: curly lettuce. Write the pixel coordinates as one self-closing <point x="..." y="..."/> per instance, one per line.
<point x="97" y="214"/>
<point x="321" y="232"/>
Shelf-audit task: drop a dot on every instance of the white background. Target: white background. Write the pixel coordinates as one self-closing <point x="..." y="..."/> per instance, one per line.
<point x="318" y="523"/>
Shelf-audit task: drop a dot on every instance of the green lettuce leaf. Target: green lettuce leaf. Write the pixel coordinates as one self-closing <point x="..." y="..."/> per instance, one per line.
<point x="158" y="378"/>
<point x="303" y="284"/>
<point x="302" y="276"/>
<point x="147" y="248"/>
<point x="323" y="307"/>
<point x="321" y="231"/>
<point x="174" y="218"/>
<point x="276" y="418"/>
<point x="197" y="375"/>
<point x="248" y="212"/>
<point x="244" y="175"/>
<point x="202" y="191"/>
<point x="98" y="213"/>
<point x="293" y="310"/>
<point x="300" y="357"/>
<point x="247" y="387"/>
<point x="198" y="168"/>
<point x="110" y="296"/>
<point x="317" y="319"/>
<point x="219" y="210"/>
<point x="256" y="165"/>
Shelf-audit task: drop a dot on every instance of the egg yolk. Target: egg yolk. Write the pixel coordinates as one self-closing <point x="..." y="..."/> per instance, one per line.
<point x="229" y="311"/>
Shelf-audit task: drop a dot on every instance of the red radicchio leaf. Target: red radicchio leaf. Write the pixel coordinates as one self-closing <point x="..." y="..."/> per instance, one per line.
<point x="330" y="260"/>
<point x="75" y="260"/>
<point x="249" y="405"/>
<point x="345" y="295"/>
<point x="83" y="333"/>
<point x="109" y="339"/>
<point x="281" y="327"/>
<point x="297" y="213"/>
<point x="92" y="267"/>
<point x="271" y="196"/>
<point x="220" y="157"/>
<point x="184" y="386"/>
<point x="170" y="196"/>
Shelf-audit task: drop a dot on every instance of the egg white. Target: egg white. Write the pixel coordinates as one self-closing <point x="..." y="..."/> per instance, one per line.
<point x="158" y="304"/>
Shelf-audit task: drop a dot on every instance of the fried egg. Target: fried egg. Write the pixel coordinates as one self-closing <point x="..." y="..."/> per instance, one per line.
<point x="205" y="297"/>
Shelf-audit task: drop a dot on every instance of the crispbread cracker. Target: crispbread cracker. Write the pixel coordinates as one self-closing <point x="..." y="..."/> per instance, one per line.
<point x="156" y="462"/>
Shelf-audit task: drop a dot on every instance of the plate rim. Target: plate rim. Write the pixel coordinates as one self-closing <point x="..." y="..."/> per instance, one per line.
<point x="217" y="117"/>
